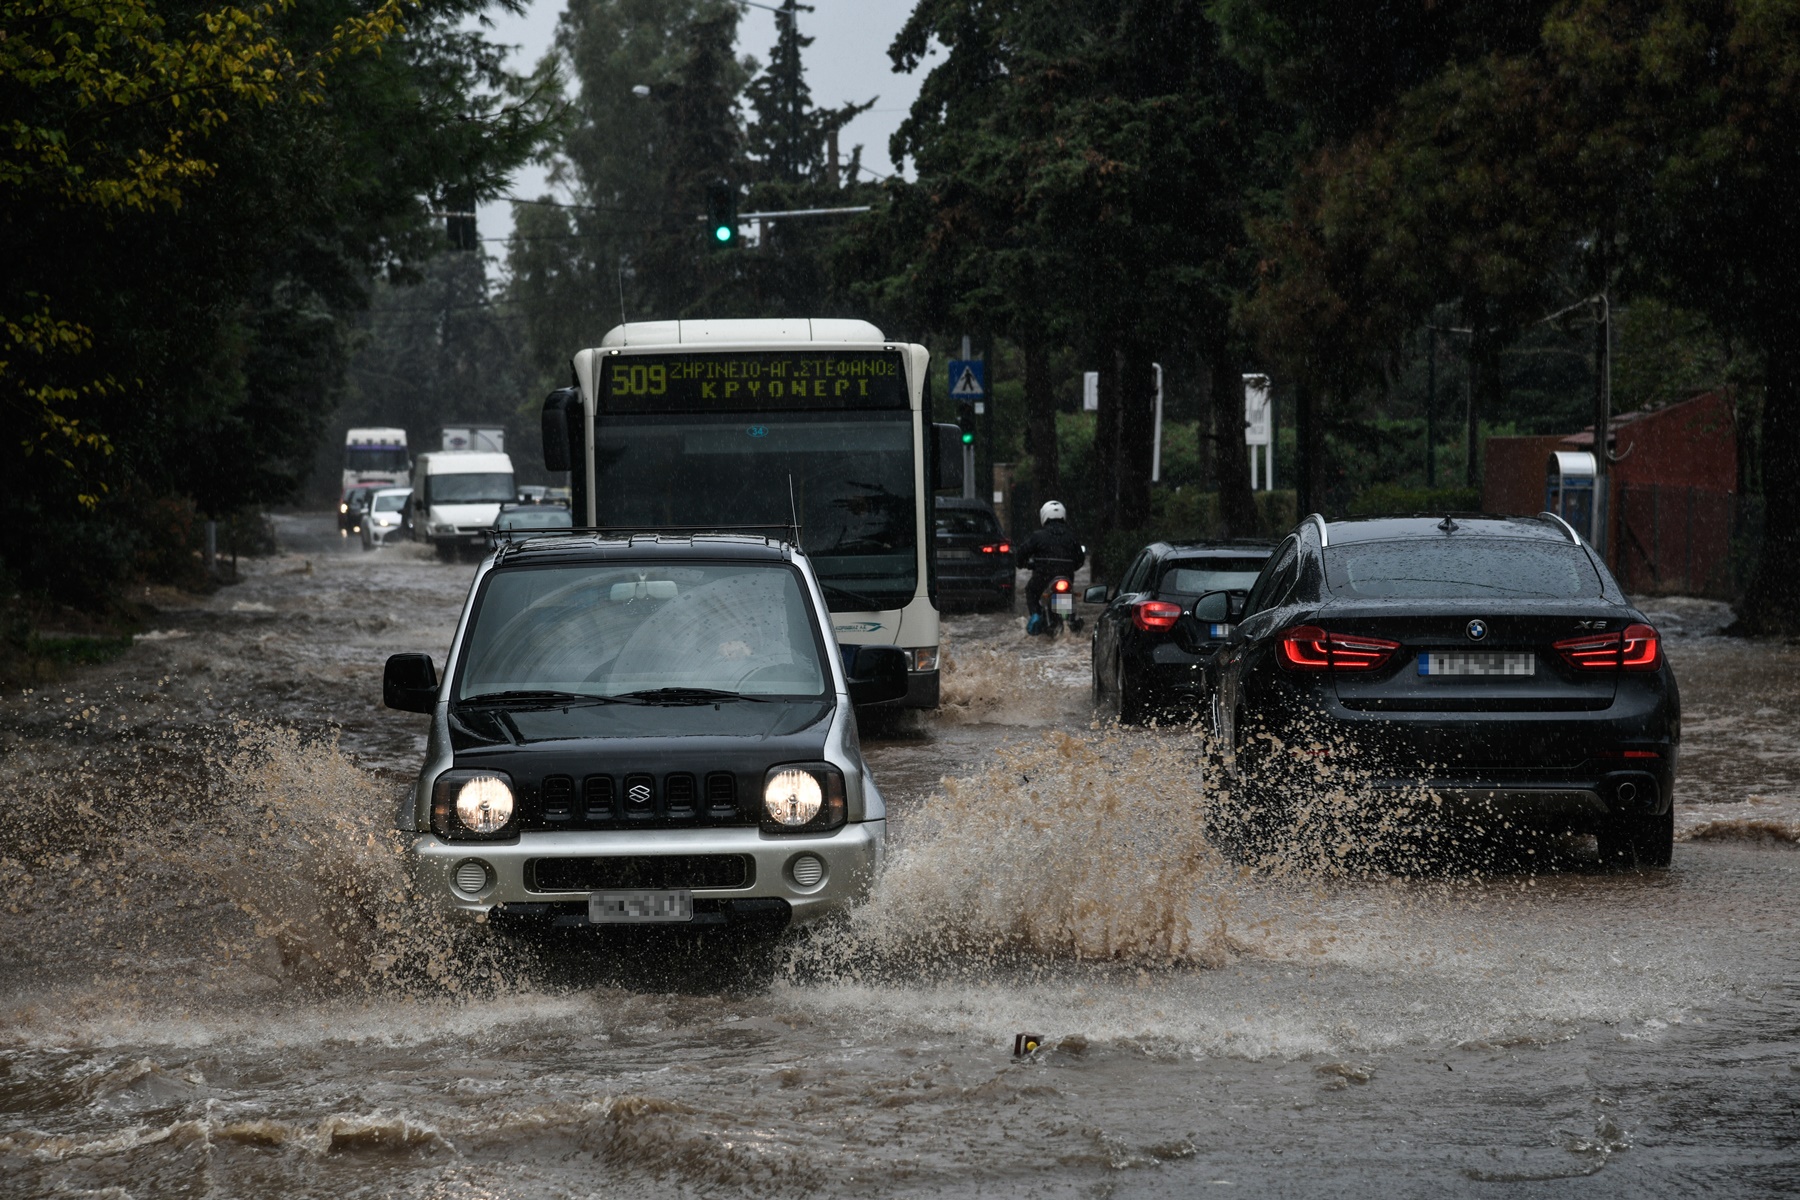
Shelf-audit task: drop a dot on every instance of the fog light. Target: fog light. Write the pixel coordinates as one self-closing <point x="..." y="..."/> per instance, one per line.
<point x="471" y="876"/>
<point x="807" y="870"/>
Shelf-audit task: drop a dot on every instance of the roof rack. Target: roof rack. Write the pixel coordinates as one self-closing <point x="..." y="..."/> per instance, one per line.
<point x="1566" y="527"/>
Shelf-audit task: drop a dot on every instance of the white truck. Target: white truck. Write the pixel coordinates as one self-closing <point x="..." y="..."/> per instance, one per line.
<point x="376" y="456"/>
<point x="457" y="496"/>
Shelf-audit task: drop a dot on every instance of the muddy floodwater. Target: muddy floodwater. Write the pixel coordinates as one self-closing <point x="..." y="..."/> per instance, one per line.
<point x="214" y="984"/>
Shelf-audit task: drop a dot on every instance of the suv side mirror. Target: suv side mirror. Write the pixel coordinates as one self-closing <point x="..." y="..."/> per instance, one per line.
<point x="879" y="676"/>
<point x="410" y="683"/>
<point x="946" y="462"/>
<point x="558" y="407"/>
<point x="1095" y="595"/>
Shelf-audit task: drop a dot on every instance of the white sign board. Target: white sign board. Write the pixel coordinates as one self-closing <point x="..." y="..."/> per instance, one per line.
<point x="1256" y="410"/>
<point x="1090" y="391"/>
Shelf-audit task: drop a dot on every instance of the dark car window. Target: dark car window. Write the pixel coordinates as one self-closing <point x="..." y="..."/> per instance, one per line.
<point x="1138" y="574"/>
<point x="1462" y="569"/>
<point x="540" y="516"/>
<point x="967" y="522"/>
<point x="626" y="627"/>
<point x="1274" y="581"/>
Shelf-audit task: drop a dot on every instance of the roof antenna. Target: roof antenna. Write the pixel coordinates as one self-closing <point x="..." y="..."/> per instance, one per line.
<point x="1447" y="524"/>
<point x="793" y="510"/>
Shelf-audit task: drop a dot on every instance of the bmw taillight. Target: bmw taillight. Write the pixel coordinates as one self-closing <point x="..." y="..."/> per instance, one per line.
<point x="1634" y="648"/>
<point x="1155" y="616"/>
<point x="1309" y="648"/>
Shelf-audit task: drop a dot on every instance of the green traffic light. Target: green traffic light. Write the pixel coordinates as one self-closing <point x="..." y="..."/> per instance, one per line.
<point x="968" y="439"/>
<point x="723" y="233"/>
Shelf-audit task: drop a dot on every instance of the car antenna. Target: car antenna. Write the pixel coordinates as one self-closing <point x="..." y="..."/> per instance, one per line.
<point x="793" y="510"/>
<point x="1448" y="524"/>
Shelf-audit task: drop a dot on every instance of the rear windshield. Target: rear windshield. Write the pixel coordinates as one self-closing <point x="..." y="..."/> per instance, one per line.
<point x="627" y="627"/>
<point x="1192" y="576"/>
<point x="979" y="524"/>
<point x="549" y="516"/>
<point x="1457" y="568"/>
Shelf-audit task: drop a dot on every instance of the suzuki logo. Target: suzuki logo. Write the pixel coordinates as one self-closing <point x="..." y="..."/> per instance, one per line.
<point x="639" y="793"/>
<point x="1477" y="629"/>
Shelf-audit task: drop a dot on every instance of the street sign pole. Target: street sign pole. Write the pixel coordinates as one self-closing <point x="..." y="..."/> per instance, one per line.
<point x="969" y="388"/>
<point x="1156" y="444"/>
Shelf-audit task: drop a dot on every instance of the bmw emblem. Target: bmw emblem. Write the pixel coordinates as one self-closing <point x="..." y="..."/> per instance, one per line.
<point x="1477" y="629"/>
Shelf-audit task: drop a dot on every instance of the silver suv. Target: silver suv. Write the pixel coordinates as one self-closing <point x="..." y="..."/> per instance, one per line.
<point x="644" y="729"/>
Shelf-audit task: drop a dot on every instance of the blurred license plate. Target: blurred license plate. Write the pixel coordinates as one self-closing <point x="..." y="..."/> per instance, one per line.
<point x="944" y="554"/>
<point x="614" y="908"/>
<point x="1062" y="604"/>
<point x="1477" y="662"/>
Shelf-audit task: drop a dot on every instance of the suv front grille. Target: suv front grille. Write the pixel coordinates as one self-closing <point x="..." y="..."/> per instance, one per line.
<point x="638" y="871"/>
<point x="635" y="799"/>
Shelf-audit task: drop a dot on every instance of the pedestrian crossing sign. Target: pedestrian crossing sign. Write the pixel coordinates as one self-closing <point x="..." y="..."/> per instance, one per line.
<point x="968" y="379"/>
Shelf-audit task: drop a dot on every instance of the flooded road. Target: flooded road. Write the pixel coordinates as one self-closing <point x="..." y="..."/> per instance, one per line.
<point x="213" y="983"/>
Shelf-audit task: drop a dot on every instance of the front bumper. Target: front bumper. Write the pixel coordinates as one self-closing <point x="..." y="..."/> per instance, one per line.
<point x="852" y="856"/>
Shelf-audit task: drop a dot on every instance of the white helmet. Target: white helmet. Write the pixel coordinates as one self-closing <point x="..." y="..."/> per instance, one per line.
<point x="1053" y="510"/>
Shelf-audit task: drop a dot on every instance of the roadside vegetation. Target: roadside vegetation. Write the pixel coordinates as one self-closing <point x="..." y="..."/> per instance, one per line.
<point x="1405" y="216"/>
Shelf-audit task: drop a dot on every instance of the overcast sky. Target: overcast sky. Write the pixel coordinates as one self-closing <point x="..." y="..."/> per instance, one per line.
<point x="847" y="62"/>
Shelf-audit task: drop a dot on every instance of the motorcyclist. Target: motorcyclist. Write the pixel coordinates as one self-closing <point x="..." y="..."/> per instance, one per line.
<point x="1050" y="551"/>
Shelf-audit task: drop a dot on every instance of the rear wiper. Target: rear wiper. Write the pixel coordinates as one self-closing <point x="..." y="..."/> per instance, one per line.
<point x="687" y="695"/>
<point x="868" y="602"/>
<point x="538" y="697"/>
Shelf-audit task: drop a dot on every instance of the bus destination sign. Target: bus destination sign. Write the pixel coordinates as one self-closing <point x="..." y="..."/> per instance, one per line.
<point x="752" y="381"/>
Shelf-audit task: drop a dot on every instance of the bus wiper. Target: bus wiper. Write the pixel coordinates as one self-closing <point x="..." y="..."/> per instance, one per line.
<point x="538" y="697"/>
<point x="869" y="603"/>
<point x="687" y="695"/>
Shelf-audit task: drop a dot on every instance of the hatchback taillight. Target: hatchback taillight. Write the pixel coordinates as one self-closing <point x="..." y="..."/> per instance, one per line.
<point x="1635" y="648"/>
<point x="1155" y="616"/>
<point x="1309" y="648"/>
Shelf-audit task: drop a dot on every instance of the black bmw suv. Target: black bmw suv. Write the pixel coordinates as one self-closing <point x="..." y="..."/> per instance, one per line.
<point x="1492" y="662"/>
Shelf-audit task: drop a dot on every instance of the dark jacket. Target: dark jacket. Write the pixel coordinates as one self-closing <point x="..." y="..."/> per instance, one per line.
<point x="1053" y="550"/>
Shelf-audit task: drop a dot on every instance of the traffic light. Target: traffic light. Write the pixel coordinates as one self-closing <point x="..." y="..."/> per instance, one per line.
<point x="721" y="214"/>
<point x="965" y="420"/>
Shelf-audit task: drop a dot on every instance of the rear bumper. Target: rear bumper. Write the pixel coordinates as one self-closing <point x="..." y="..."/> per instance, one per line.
<point x="1584" y="802"/>
<point x="852" y="856"/>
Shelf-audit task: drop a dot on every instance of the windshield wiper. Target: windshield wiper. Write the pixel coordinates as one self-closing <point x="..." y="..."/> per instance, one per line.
<point x="687" y="695"/>
<point x="539" y="697"/>
<point x="869" y="603"/>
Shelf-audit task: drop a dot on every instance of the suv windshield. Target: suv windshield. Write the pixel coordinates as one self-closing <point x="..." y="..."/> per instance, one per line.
<point x="1457" y="568"/>
<point x="617" y="628"/>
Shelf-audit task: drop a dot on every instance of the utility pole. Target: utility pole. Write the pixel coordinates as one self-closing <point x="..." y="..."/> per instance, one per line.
<point x="1598" y="528"/>
<point x="968" y="449"/>
<point x="1431" y="411"/>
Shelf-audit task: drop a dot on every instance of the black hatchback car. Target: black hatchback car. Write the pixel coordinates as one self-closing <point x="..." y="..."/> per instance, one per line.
<point x="1493" y="662"/>
<point x="974" y="556"/>
<point x="1138" y="663"/>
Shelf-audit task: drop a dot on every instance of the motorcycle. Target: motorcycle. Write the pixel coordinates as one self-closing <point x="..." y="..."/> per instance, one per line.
<point x="1059" y="608"/>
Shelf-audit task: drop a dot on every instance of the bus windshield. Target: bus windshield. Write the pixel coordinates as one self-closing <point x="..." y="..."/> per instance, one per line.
<point x="823" y="436"/>
<point x="848" y="475"/>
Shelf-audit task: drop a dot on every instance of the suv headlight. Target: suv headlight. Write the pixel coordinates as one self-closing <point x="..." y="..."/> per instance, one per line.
<point x="469" y="806"/>
<point x="803" y="798"/>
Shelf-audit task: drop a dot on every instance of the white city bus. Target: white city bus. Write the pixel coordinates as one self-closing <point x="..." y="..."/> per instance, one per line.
<point x="730" y="423"/>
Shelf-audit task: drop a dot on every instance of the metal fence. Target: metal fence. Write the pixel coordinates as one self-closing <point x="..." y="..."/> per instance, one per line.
<point x="1684" y="540"/>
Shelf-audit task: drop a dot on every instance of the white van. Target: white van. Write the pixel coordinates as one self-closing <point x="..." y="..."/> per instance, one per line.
<point x="456" y="496"/>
